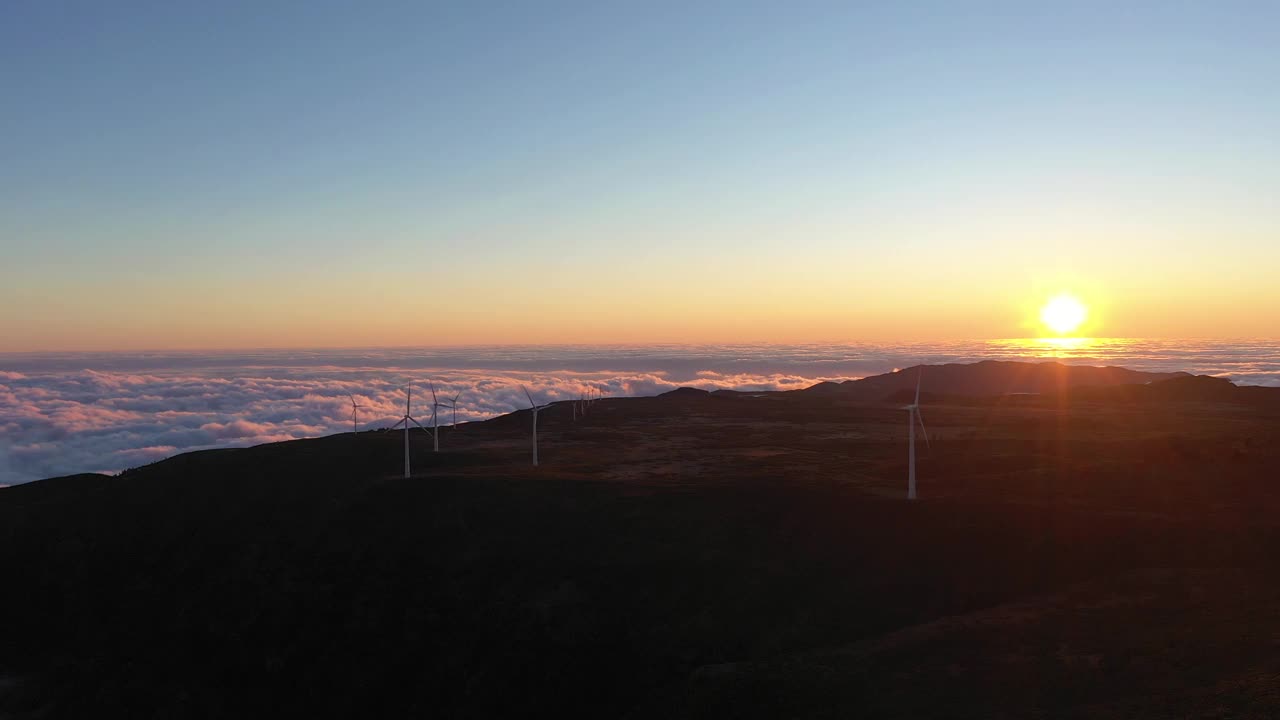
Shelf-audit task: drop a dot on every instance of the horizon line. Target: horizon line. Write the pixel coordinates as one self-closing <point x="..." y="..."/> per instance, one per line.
<point x="655" y="343"/>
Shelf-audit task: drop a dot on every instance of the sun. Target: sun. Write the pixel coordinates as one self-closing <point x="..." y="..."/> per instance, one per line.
<point x="1064" y="314"/>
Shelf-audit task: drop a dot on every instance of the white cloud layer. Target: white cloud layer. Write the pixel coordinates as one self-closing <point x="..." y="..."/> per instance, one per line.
<point x="96" y="421"/>
<point x="103" y="412"/>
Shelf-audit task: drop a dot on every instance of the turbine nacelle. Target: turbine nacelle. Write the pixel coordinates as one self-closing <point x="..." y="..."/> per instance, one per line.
<point x="408" y="418"/>
<point x="355" y="408"/>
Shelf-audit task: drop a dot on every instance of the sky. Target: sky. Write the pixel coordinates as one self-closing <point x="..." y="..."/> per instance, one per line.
<point x="312" y="174"/>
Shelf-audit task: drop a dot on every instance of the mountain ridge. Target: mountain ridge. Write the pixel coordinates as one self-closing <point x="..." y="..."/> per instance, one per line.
<point x="669" y="555"/>
<point x="994" y="377"/>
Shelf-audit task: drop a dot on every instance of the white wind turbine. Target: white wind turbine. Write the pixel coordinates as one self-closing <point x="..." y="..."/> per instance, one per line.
<point x="354" y="409"/>
<point x="408" y="396"/>
<point x="913" y="416"/>
<point x="453" y="405"/>
<point x="536" y="408"/>
<point x="436" y="405"/>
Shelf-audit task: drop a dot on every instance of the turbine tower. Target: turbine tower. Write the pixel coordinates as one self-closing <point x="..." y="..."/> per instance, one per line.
<point x="453" y="405"/>
<point x="536" y="408"/>
<point x="408" y="396"/>
<point x="435" y="406"/>
<point x="354" y="408"/>
<point x="913" y="416"/>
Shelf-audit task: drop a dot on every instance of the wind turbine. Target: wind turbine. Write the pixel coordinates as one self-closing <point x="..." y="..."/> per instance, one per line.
<point x="536" y="408"/>
<point x="408" y="396"/>
<point x="913" y="416"/>
<point x="435" y="405"/>
<point x="453" y="405"/>
<point x="354" y="407"/>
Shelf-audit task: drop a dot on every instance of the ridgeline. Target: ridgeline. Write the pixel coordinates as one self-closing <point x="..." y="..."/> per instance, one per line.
<point x="1089" y="542"/>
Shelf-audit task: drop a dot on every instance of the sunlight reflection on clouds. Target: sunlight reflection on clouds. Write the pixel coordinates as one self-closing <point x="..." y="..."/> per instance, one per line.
<point x="75" y="412"/>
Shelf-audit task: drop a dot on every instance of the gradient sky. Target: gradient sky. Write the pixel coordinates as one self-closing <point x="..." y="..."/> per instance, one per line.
<point x="193" y="174"/>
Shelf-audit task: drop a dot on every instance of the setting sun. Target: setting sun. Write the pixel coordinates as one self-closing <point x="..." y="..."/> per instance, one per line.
<point x="1064" y="314"/>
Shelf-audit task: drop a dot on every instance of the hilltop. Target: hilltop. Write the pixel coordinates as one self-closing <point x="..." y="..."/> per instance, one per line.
<point x="995" y="377"/>
<point x="1103" y="550"/>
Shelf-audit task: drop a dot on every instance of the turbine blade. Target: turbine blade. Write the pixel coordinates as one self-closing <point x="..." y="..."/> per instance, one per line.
<point x="922" y="430"/>
<point x="433" y="390"/>
<point x="415" y="422"/>
<point x="408" y="396"/>
<point x="919" y="377"/>
<point x="526" y="394"/>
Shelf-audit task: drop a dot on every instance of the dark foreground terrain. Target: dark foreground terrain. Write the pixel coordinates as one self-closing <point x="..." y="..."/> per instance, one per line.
<point x="1104" y="549"/>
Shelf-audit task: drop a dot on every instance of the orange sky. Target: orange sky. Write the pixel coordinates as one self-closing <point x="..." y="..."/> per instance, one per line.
<point x="852" y="172"/>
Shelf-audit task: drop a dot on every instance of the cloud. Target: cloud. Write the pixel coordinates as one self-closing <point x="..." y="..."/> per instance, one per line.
<point x="60" y="423"/>
<point x="78" y="412"/>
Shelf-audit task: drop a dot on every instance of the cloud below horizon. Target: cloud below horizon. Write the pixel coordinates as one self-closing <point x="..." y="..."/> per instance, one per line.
<point x="94" y="421"/>
<point x="67" y="413"/>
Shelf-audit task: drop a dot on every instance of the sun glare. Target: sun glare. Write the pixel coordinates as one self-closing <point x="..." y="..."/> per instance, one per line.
<point x="1063" y="314"/>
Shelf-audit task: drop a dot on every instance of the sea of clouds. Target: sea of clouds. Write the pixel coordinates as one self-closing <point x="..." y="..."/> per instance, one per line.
<point x="63" y="413"/>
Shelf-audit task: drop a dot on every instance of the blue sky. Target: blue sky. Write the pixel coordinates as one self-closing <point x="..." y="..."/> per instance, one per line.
<point x="308" y="163"/>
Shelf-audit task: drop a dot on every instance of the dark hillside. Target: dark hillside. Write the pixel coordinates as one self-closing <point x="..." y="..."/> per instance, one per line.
<point x="695" y="555"/>
<point x="996" y="377"/>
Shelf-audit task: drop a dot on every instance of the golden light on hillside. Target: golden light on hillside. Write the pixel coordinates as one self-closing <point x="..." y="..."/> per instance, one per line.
<point x="1064" y="314"/>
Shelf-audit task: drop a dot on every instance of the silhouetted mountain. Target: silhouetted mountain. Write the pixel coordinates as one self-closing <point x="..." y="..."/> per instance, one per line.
<point x="1182" y="389"/>
<point x="680" y="556"/>
<point x="685" y="392"/>
<point x="993" y="377"/>
<point x="67" y="486"/>
<point x="824" y="387"/>
<point x="1195" y="387"/>
<point x="1191" y="388"/>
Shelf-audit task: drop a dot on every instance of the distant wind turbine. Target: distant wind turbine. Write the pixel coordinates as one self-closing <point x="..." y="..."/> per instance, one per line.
<point x="354" y="409"/>
<point x="436" y="405"/>
<point x="408" y="396"/>
<point x="536" y="408"/>
<point x="435" y="428"/>
<point x="913" y="416"/>
<point x="453" y="405"/>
